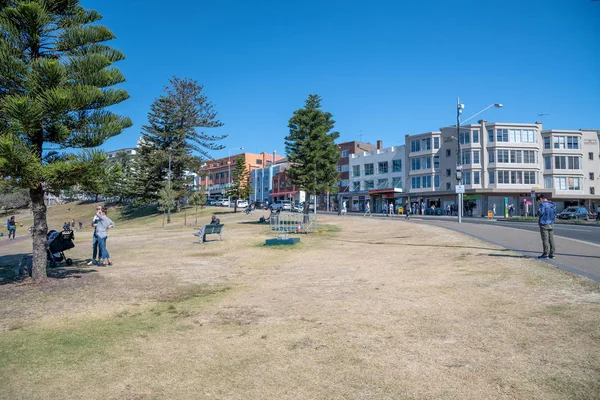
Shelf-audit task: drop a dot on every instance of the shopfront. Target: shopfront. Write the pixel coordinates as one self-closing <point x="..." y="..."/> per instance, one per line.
<point x="381" y="197"/>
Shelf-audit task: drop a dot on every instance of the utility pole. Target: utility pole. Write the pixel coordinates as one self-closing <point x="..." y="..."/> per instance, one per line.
<point x="459" y="108"/>
<point x="169" y="190"/>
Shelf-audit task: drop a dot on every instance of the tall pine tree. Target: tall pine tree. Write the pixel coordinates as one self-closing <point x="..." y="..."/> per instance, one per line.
<point x="56" y="85"/>
<point x="172" y="129"/>
<point x="311" y="149"/>
<point x="240" y="187"/>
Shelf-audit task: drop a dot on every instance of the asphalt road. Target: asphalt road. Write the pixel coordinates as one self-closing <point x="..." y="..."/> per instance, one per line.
<point x="587" y="233"/>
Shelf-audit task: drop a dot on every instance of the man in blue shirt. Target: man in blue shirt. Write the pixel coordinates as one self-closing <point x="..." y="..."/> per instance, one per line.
<point x="547" y="213"/>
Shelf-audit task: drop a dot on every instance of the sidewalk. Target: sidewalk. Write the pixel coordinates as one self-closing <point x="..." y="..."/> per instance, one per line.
<point x="571" y="255"/>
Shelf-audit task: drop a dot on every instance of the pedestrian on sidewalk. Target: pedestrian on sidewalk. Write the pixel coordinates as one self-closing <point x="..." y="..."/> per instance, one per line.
<point x="407" y="210"/>
<point x="367" y="209"/>
<point x="384" y="209"/>
<point x="11" y="225"/>
<point x="547" y="212"/>
<point x="391" y="209"/>
<point x="96" y="256"/>
<point x="598" y="213"/>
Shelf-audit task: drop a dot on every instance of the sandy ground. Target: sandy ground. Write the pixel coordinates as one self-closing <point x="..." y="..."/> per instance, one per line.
<point x="376" y="310"/>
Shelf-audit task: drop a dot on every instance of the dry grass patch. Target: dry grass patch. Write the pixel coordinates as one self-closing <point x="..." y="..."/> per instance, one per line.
<point x="373" y="308"/>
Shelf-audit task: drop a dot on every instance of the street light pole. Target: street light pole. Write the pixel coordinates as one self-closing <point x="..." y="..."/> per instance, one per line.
<point x="229" y="173"/>
<point x="459" y="108"/>
<point x="169" y="190"/>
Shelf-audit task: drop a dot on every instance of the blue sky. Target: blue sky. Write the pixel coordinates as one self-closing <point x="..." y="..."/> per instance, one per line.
<point x="384" y="68"/>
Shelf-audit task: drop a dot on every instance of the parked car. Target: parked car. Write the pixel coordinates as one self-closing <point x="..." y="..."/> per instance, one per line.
<point x="282" y="205"/>
<point x="210" y="202"/>
<point x="242" y="203"/>
<point x="298" y="208"/>
<point x="219" y="203"/>
<point x="573" y="213"/>
<point x="225" y="203"/>
<point x="261" y="205"/>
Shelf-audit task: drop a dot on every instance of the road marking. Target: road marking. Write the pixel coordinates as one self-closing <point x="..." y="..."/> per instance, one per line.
<point x="570" y="229"/>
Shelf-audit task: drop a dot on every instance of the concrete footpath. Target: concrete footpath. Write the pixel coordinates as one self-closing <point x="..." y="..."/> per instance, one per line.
<point x="572" y="255"/>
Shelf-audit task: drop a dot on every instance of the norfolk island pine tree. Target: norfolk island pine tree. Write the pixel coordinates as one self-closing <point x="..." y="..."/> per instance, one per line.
<point x="311" y="149"/>
<point x="56" y="82"/>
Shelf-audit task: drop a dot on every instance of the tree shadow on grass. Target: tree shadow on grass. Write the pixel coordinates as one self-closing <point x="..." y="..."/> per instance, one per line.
<point x="9" y="263"/>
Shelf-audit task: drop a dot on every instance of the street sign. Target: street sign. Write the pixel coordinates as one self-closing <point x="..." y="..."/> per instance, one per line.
<point x="460" y="189"/>
<point x="532" y="192"/>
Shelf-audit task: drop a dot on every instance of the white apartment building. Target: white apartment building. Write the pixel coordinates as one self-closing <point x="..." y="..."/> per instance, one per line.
<point x="502" y="164"/>
<point x="377" y="175"/>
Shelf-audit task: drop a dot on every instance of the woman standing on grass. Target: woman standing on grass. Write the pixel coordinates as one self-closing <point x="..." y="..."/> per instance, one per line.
<point x="102" y="227"/>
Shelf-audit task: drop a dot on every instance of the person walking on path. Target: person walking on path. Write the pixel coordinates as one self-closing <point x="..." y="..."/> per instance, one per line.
<point x="547" y="213"/>
<point x="102" y="227"/>
<point x="391" y="209"/>
<point x="344" y="208"/>
<point x="384" y="208"/>
<point x="598" y="213"/>
<point x="11" y="225"/>
<point x="367" y="209"/>
<point x="407" y="210"/>
<point x="95" y="245"/>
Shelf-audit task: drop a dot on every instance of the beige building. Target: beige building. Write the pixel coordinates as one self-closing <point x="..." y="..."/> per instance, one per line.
<point x="503" y="164"/>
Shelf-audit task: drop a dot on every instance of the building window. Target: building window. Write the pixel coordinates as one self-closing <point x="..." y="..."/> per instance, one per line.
<point x="396" y="165"/>
<point x="416" y="182"/>
<point x="338" y="168"/>
<point x="490" y="135"/>
<point x="529" y="177"/>
<point x="529" y="156"/>
<point x="503" y="157"/>
<point x="368" y="169"/>
<point x="345" y="168"/>
<point x="516" y="177"/>
<point x="464" y="137"/>
<point x="547" y="142"/>
<point x="559" y="142"/>
<point x="548" y="182"/>
<point x="356" y="170"/>
<point x="466" y="176"/>
<point x="466" y="157"/>
<point x="426" y="181"/>
<point x="382" y="167"/>
<point x="448" y="152"/>
<point x="572" y="142"/>
<point x="492" y="176"/>
<point x="503" y="177"/>
<point x="521" y="136"/>
<point x="448" y="172"/>
<point x="436" y="162"/>
<point x="369" y="185"/>
<point x="501" y="136"/>
<point x="592" y="190"/>
<point x="426" y="144"/>
<point x="415" y="145"/>
<point x="491" y="155"/>
<point x="345" y="153"/>
<point x="476" y="178"/>
<point x="591" y="176"/>
<point x="397" y="182"/>
<point x="436" y="181"/>
<point x="382" y="183"/>
<point x="516" y="156"/>
<point x="415" y="164"/>
<point x="567" y="183"/>
<point x="259" y="161"/>
<point x="476" y="157"/>
<point x="436" y="143"/>
<point x="426" y="163"/>
<point x="574" y="162"/>
<point x="448" y="185"/>
<point x="356" y="186"/>
<point x="476" y="136"/>
<point x="548" y="162"/>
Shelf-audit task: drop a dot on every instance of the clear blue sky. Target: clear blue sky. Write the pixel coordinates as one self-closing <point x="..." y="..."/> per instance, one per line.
<point x="383" y="68"/>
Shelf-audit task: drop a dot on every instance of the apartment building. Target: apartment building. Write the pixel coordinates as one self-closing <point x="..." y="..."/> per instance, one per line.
<point x="215" y="176"/>
<point x="503" y="164"/>
<point x="271" y="184"/>
<point x="376" y="175"/>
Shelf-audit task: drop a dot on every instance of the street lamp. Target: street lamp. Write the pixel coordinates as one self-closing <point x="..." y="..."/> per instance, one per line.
<point x="229" y="173"/>
<point x="169" y="187"/>
<point x="459" y="108"/>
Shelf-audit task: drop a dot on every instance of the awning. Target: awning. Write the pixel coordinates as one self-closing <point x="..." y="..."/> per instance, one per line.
<point x="283" y="193"/>
<point x="386" y="190"/>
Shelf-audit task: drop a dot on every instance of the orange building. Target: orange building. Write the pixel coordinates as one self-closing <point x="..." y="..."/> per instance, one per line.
<point x="216" y="175"/>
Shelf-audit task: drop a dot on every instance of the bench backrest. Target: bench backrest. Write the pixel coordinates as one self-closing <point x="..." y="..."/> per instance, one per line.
<point x="213" y="228"/>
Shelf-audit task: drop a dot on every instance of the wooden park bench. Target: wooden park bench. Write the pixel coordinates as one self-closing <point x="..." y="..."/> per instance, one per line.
<point x="209" y="230"/>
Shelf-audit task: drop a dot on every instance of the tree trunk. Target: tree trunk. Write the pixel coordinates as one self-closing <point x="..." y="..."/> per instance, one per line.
<point x="163" y="221"/>
<point x="96" y="198"/>
<point x="40" y="230"/>
<point x="196" y="224"/>
<point x="185" y="216"/>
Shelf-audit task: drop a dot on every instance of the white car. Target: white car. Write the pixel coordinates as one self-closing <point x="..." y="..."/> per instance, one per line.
<point x="242" y="203"/>
<point x="224" y="203"/>
<point x="282" y="205"/>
